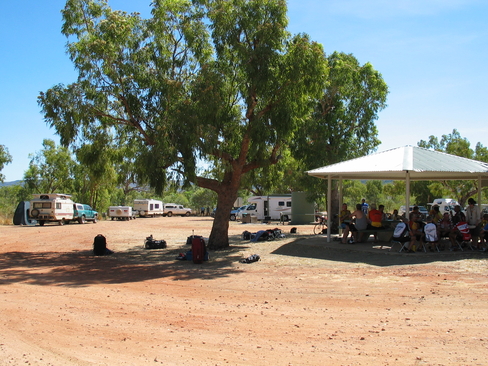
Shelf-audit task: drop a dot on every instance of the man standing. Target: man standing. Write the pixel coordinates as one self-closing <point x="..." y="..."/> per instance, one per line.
<point x="364" y="206"/>
<point x="473" y="218"/>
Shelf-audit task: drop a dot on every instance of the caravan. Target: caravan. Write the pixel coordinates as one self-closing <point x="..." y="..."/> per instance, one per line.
<point x="148" y="207"/>
<point x="273" y="207"/>
<point x="52" y="207"/>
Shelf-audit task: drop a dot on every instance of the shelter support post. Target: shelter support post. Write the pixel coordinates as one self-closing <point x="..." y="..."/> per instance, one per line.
<point x="329" y="206"/>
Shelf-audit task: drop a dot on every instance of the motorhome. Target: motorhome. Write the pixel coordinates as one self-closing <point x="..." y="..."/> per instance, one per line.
<point x="272" y="207"/>
<point x="51" y="207"/>
<point x="148" y="207"/>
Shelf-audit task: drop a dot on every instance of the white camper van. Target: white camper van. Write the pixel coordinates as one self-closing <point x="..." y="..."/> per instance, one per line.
<point x="273" y="207"/>
<point x="445" y="205"/>
<point x="148" y="207"/>
<point x="52" y="207"/>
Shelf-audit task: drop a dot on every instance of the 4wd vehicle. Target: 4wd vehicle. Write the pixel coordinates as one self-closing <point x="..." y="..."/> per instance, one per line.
<point x="83" y="213"/>
<point x="170" y="209"/>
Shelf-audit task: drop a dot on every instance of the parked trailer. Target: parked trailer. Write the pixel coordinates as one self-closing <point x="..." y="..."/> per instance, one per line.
<point x="149" y="207"/>
<point x="272" y="207"/>
<point x="52" y="207"/>
<point x="121" y="213"/>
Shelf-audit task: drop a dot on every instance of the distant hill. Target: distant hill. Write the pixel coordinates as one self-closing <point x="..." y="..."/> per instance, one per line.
<point x="13" y="183"/>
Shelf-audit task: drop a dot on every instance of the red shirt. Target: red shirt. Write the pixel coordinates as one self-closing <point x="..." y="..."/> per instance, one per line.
<point x="376" y="216"/>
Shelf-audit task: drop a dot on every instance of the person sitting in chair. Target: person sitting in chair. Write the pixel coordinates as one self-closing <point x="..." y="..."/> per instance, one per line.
<point x="360" y="223"/>
<point x="402" y="233"/>
<point x="445" y="225"/>
<point x="430" y="230"/>
<point x="376" y="218"/>
<point x="416" y="232"/>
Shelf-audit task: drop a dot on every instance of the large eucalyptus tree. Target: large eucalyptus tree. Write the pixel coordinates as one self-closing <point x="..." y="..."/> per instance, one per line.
<point x="219" y="81"/>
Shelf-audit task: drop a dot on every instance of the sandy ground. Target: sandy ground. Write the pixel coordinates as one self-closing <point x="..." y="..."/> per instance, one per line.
<point x="307" y="302"/>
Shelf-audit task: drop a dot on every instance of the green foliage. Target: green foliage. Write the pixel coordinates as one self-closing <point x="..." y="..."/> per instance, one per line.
<point x="5" y="158"/>
<point x="455" y="144"/>
<point x="374" y="192"/>
<point x="10" y="196"/>
<point x="353" y="191"/>
<point x="341" y="126"/>
<point x="51" y="170"/>
<point x="203" y="198"/>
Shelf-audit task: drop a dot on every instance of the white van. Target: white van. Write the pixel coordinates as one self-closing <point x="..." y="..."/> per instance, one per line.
<point x="51" y="207"/>
<point x="445" y="205"/>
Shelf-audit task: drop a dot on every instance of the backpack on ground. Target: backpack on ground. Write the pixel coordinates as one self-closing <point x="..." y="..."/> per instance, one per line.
<point x="151" y="243"/>
<point x="246" y="235"/>
<point x="99" y="245"/>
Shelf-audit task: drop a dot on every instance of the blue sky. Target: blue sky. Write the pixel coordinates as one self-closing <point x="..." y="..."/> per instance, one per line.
<point x="433" y="54"/>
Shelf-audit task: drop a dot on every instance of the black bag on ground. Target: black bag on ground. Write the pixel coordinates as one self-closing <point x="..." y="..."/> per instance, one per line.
<point x="246" y="235"/>
<point x="151" y="243"/>
<point x="99" y="245"/>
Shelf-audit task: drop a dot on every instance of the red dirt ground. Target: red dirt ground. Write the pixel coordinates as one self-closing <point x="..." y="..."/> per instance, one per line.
<point x="307" y="302"/>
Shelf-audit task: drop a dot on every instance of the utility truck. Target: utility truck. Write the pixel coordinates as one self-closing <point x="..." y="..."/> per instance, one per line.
<point x="171" y="209"/>
<point x="272" y="207"/>
<point x="52" y="207"/>
<point x="149" y="207"/>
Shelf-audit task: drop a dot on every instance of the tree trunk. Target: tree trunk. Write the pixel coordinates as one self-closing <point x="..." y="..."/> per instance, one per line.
<point x="226" y="196"/>
<point x="219" y="236"/>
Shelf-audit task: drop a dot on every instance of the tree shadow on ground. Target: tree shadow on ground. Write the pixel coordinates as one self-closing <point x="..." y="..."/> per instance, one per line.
<point x="367" y="254"/>
<point x="81" y="268"/>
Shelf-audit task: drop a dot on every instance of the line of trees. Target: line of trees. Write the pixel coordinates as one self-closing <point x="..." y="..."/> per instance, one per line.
<point x="54" y="169"/>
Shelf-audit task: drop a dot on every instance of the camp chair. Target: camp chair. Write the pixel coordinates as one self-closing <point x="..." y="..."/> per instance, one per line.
<point x="464" y="237"/>
<point x="431" y="238"/>
<point x="403" y="246"/>
<point x="399" y="237"/>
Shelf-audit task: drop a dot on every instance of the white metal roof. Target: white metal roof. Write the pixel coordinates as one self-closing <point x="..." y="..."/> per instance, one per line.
<point x="395" y="164"/>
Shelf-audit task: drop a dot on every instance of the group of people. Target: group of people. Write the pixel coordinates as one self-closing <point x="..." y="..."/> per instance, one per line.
<point x="460" y="227"/>
<point x="363" y="218"/>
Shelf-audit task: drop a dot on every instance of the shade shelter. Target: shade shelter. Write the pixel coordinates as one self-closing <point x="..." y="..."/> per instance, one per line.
<point x="407" y="163"/>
